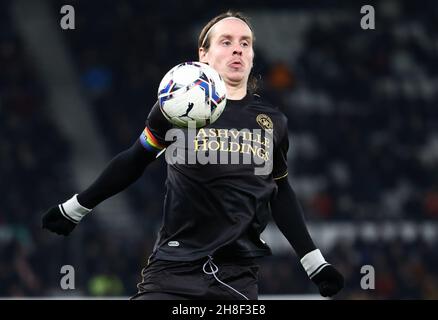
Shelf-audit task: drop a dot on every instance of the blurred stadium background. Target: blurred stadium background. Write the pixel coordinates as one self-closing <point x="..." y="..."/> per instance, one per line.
<point x="363" y="117"/>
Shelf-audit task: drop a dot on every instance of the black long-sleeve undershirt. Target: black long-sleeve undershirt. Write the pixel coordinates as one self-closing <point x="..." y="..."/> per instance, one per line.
<point x="129" y="165"/>
<point x="288" y="215"/>
<point x="122" y="171"/>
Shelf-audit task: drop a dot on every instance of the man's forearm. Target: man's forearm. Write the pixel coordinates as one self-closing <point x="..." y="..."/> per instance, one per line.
<point x="288" y="215"/>
<point x="121" y="172"/>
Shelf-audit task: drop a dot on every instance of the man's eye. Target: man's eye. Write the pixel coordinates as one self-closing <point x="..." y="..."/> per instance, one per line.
<point x="245" y="44"/>
<point x="226" y="42"/>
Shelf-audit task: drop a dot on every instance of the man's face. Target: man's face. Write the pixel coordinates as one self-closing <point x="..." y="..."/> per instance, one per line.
<point x="230" y="53"/>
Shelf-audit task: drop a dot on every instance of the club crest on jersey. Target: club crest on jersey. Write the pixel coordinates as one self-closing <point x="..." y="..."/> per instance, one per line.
<point x="264" y="121"/>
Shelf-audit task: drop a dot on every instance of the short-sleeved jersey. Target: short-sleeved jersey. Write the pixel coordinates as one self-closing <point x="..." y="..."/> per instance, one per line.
<point x="220" y="207"/>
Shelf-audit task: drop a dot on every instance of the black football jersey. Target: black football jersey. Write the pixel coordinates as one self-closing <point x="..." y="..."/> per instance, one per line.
<point x="216" y="201"/>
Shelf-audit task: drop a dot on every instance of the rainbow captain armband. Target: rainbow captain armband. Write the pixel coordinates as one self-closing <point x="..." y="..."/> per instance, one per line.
<point x="149" y="142"/>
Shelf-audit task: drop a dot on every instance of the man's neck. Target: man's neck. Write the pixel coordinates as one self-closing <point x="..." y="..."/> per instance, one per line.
<point x="236" y="93"/>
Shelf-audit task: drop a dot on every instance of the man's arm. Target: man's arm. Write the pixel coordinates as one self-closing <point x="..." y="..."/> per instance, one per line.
<point x="122" y="171"/>
<point x="288" y="215"/>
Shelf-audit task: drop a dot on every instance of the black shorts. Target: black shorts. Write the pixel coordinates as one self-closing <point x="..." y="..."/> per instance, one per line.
<point x="197" y="280"/>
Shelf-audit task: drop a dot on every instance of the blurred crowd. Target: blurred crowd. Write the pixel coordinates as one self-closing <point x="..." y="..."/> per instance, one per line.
<point x="34" y="166"/>
<point x="364" y="143"/>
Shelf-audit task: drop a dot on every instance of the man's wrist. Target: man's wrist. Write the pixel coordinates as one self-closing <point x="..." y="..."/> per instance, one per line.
<point x="73" y="210"/>
<point x="313" y="262"/>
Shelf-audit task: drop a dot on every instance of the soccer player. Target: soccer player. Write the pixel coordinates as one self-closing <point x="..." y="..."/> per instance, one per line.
<point x="213" y="213"/>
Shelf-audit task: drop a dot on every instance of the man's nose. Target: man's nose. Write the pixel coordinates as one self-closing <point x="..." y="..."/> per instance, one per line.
<point x="237" y="51"/>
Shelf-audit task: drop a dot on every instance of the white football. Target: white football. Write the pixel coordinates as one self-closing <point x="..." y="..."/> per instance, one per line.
<point x="192" y="92"/>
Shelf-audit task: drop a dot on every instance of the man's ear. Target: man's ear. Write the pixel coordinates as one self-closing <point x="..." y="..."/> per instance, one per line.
<point x="202" y="55"/>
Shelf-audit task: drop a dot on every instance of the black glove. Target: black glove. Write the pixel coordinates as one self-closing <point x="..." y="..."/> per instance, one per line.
<point x="55" y="221"/>
<point x="322" y="273"/>
<point x="329" y="281"/>
<point x="63" y="218"/>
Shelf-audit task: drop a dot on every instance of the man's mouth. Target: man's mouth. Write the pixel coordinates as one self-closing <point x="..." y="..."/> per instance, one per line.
<point x="236" y="64"/>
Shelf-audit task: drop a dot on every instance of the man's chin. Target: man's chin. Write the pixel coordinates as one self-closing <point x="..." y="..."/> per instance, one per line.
<point x="235" y="77"/>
